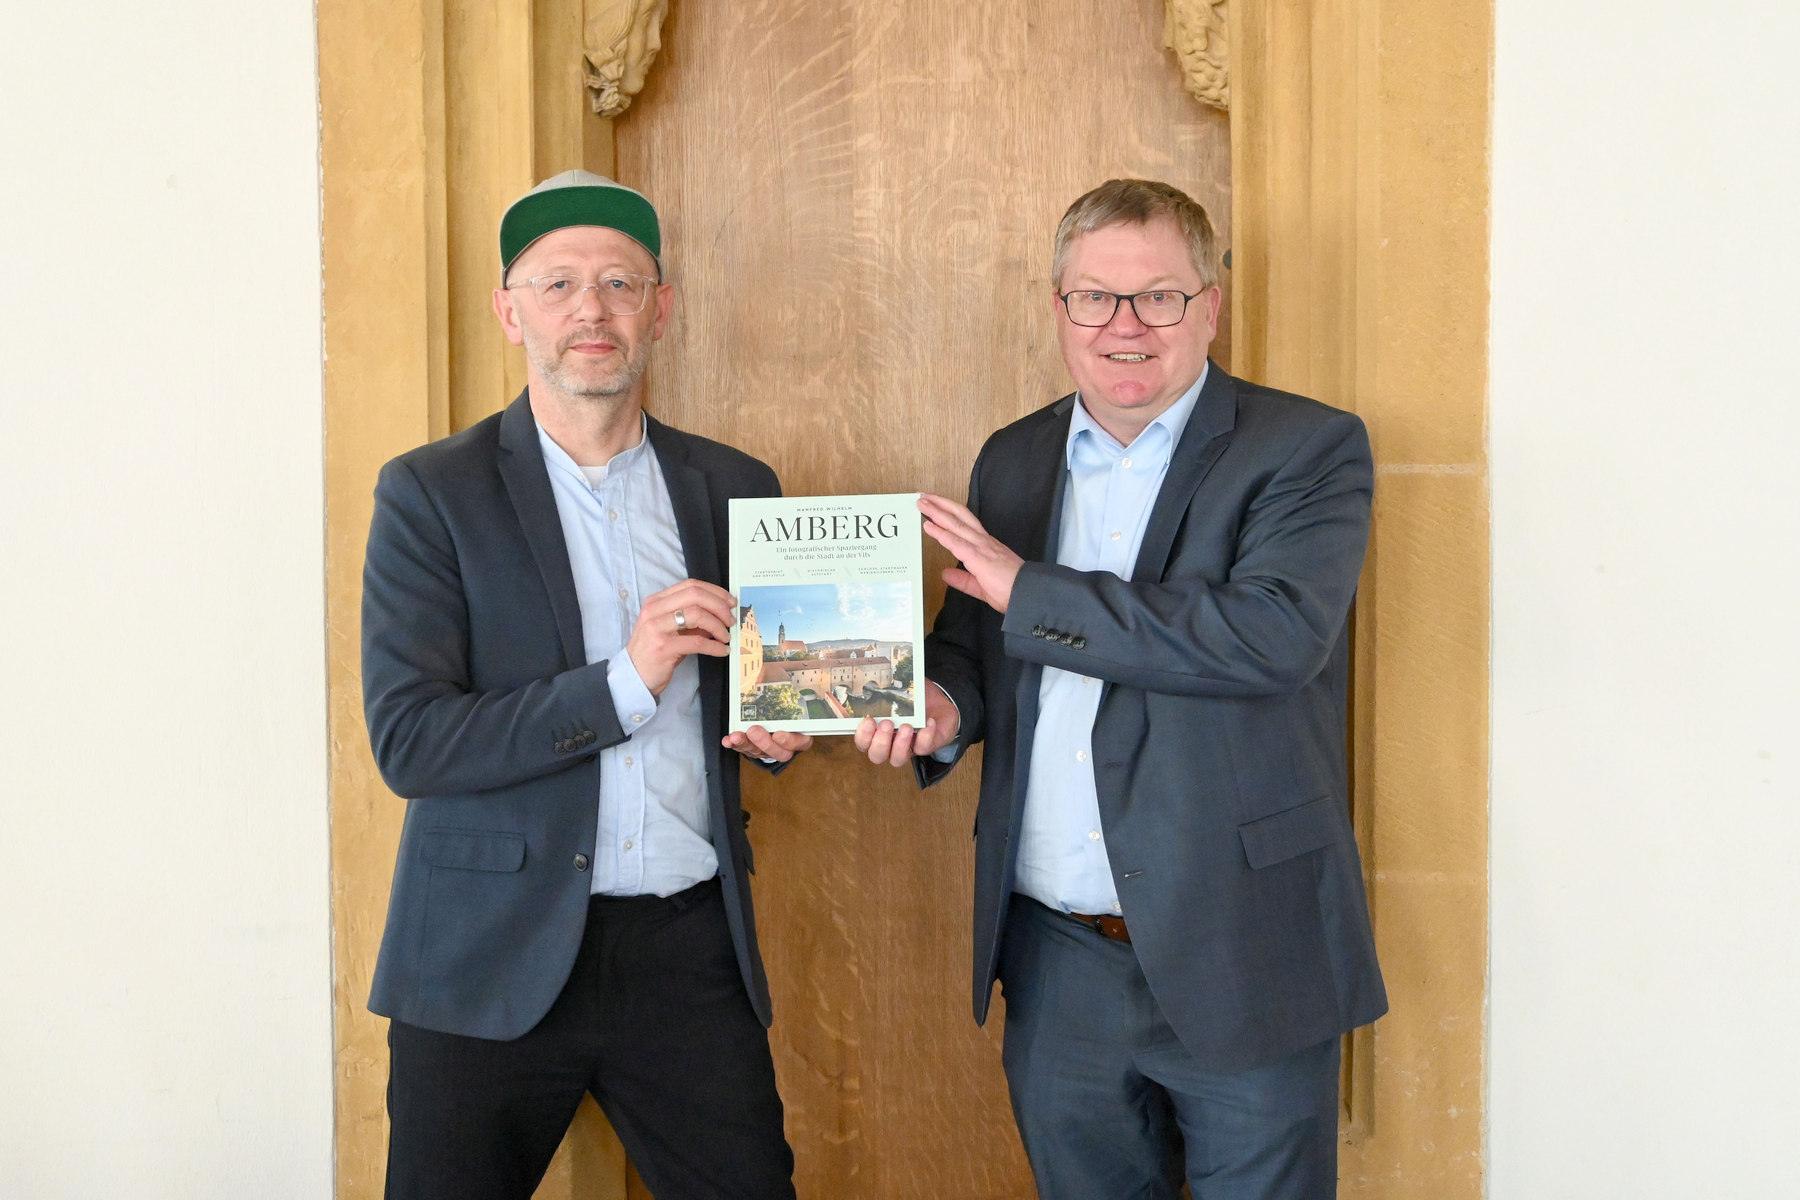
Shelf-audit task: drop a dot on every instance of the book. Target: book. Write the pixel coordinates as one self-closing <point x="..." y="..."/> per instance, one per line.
<point x="831" y="612"/>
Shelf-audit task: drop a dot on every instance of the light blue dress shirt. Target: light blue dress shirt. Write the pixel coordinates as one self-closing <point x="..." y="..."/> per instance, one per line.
<point x="1107" y="496"/>
<point x="619" y="526"/>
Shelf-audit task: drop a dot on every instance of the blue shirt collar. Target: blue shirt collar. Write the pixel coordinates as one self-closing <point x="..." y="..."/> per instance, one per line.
<point x="557" y="457"/>
<point x="1171" y="422"/>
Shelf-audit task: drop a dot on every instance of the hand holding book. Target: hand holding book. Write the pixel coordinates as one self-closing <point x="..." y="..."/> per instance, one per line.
<point x="757" y="742"/>
<point x="692" y="617"/>
<point x="895" y="745"/>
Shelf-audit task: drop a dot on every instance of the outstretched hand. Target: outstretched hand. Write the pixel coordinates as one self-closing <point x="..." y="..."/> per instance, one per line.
<point x="988" y="567"/>
<point x="896" y="745"/>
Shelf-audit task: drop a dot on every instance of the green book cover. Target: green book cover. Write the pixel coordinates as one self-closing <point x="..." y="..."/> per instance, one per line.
<point x="831" y="612"/>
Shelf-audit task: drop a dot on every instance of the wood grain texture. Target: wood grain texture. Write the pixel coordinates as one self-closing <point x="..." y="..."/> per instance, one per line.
<point x="858" y="204"/>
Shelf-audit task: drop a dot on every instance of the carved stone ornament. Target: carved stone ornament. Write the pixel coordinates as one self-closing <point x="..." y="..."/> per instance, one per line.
<point x="620" y="39"/>
<point x="1195" y="31"/>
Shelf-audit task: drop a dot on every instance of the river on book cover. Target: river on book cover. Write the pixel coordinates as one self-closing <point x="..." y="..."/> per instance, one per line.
<point x="818" y="652"/>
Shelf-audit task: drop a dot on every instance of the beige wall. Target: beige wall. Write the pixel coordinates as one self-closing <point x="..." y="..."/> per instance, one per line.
<point x="165" y="996"/>
<point x="1359" y="135"/>
<point x="1646" y="419"/>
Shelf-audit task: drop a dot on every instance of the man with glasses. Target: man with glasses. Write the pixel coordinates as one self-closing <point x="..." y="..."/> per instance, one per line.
<point x="544" y="635"/>
<point x="1147" y="628"/>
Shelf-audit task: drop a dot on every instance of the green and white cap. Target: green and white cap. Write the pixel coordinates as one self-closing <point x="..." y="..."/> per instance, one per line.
<point x="577" y="198"/>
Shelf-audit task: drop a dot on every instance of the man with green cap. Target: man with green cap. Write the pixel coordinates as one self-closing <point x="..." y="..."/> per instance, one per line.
<point x="544" y="643"/>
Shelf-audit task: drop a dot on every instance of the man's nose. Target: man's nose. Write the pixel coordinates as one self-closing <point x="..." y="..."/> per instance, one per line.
<point x="1125" y="321"/>
<point x="590" y="307"/>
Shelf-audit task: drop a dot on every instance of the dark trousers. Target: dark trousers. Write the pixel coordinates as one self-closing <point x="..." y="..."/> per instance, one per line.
<point x="654" y="1021"/>
<point x="1110" y="1104"/>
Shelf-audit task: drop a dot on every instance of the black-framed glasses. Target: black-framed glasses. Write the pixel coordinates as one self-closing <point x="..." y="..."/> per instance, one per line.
<point x="1155" y="309"/>
<point x="620" y="295"/>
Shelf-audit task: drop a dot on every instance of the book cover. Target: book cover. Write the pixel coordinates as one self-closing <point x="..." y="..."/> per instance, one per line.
<point x="831" y="612"/>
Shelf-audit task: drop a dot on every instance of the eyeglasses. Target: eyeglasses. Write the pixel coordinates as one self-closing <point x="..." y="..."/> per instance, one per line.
<point x="1097" y="309"/>
<point x="620" y="295"/>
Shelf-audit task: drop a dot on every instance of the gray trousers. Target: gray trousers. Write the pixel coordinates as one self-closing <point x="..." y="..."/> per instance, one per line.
<point x="1111" y="1106"/>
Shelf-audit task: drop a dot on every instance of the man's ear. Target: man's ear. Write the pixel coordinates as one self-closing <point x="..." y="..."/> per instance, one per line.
<point x="665" y="304"/>
<point x="505" y="307"/>
<point x="1214" y="299"/>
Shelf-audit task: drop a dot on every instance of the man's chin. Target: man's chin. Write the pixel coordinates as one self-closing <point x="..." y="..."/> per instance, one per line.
<point x="606" y="386"/>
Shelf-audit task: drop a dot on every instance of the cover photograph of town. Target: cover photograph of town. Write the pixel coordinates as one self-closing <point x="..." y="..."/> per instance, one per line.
<point x="826" y="652"/>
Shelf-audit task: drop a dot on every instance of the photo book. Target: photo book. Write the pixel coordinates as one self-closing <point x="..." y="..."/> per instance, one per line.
<point x="831" y="612"/>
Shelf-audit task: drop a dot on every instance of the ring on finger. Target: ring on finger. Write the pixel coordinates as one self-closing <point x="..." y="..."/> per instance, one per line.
<point x="680" y="620"/>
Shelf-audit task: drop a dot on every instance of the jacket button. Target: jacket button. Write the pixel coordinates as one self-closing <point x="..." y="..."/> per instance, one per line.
<point x="1037" y="631"/>
<point x="581" y="862"/>
<point x="586" y="737"/>
<point x="563" y="747"/>
<point x="1067" y="639"/>
<point x="1079" y="643"/>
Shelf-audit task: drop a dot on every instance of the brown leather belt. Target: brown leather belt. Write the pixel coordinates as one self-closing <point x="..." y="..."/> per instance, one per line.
<point x="1104" y="924"/>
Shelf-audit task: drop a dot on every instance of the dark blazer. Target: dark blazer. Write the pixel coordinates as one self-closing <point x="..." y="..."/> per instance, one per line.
<point x="484" y="713"/>
<point x="1219" y="743"/>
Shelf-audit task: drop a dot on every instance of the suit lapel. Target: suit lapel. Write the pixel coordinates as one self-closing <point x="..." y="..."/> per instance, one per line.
<point x="1041" y="491"/>
<point x="1041" y="498"/>
<point x="691" y="499"/>
<point x="1207" y="434"/>
<point x="528" y="485"/>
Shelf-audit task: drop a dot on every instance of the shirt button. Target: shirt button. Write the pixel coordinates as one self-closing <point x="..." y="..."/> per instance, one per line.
<point x="628" y="760"/>
<point x="628" y="843"/>
<point x="1126" y="463"/>
<point x="1116" y="907"/>
<point x="624" y="595"/>
<point x="1117" y="534"/>
<point x="612" y="514"/>
<point x="1081" y="756"/>
<point x="1093" y="835"/>
<point x="637" y="718"/>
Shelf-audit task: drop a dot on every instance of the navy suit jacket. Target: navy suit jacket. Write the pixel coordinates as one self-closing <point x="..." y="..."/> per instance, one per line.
<point x="1219" y="743"/>
<point x="485" y="715"/>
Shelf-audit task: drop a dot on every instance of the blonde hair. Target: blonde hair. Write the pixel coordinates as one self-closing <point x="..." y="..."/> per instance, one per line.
<point x="1138" y="202"/>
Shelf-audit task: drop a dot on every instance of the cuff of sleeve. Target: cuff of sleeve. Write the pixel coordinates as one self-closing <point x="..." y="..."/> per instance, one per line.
<point x="1023" y="601"/>
<point x="947" y="752"/>
<point x="631" y="699"/>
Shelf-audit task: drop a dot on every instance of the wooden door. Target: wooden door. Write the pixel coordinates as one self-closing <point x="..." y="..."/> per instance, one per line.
<point x="858" y="201"/>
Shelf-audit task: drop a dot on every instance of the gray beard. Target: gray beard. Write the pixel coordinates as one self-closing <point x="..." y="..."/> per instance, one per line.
<point x="550" y="367"/>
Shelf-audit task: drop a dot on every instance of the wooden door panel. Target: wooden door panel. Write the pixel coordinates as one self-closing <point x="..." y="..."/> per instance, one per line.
<point x="858" y="203"/>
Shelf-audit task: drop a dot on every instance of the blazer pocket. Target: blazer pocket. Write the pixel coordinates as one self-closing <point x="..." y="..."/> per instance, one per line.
<point x="1292" y="832"/>
<point x="473" y="850"/>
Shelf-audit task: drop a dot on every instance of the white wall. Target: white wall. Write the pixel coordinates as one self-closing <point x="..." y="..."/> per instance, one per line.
<point x="1645" y="999"/>
<point x="165" y="1006"/>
